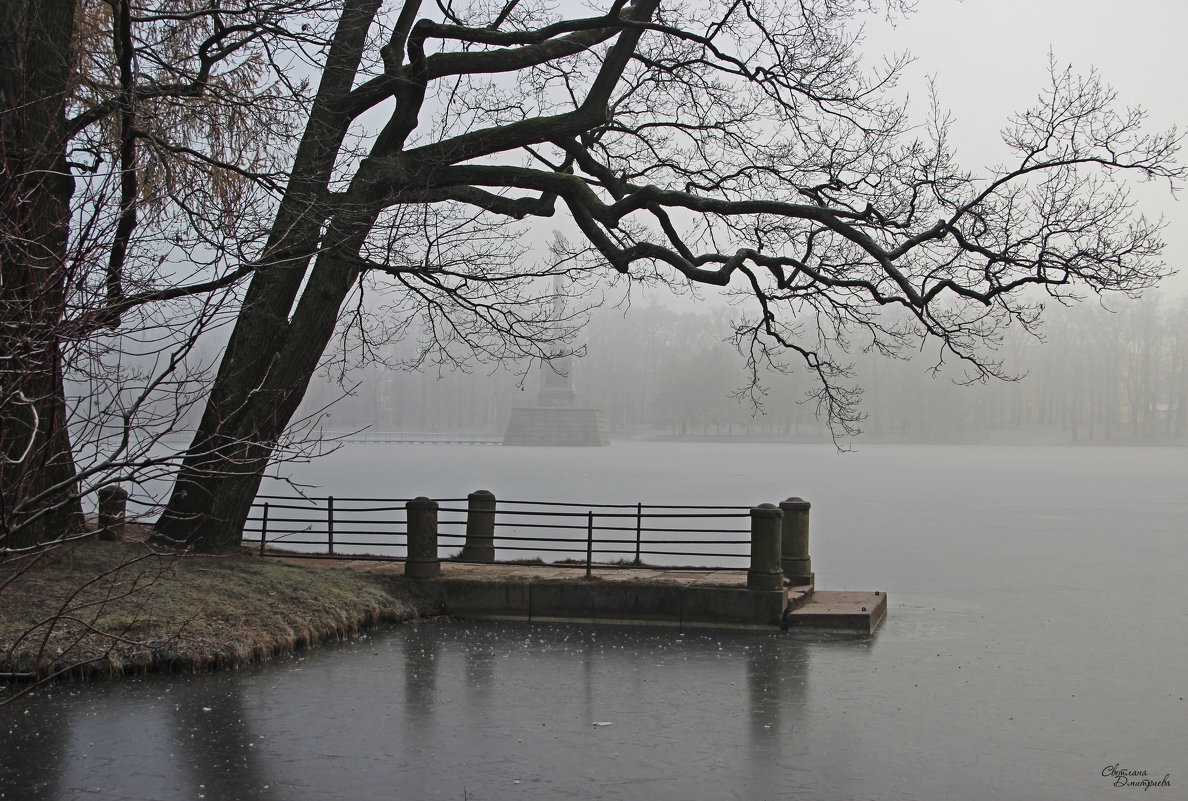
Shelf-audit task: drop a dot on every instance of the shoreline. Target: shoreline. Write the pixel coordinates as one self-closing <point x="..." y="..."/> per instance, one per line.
<point x="97" y="609"/>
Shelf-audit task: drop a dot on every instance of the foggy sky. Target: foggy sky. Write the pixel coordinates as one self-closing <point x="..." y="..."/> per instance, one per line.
<point x="990" y="58"/>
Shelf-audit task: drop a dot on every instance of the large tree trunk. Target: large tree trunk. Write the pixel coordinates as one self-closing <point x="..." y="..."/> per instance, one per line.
<point x="270" y="358"/>
<point x="248" y="411"/>
<point x="275" y="347"/>
<point x="37" y="471"/>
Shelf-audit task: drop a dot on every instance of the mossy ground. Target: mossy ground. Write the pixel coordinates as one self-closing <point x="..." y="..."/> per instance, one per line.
<point x="105" y="608"/>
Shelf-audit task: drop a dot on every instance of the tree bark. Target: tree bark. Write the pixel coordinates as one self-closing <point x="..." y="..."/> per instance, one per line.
<point x="37" y="472"/>
<point x="269" y="359"/>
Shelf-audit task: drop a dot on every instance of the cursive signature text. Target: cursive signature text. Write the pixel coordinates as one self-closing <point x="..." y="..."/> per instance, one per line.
<point x="1125" y="777"/>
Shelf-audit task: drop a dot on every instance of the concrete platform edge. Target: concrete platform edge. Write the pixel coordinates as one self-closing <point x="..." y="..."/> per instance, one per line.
<point x="645" y="603"/>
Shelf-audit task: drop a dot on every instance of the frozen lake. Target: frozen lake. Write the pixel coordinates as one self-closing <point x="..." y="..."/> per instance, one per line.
<point x="1036" y="639"/>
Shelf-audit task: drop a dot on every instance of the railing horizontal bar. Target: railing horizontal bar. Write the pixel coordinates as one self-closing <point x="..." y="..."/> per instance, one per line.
<point x="373" y="532"/>
<point x="321" y="520"/>
<point x="337" y="517"/>
<point x="542" y="525"/>
<point x="382" y="535"/>
<point x="564" y="503"/>
<point x="601" y="546"/>
<point x="563" y="527"/>
<point x="647" y="507"/>
<point x="361" y="544"/>
<point x="390" y="524"/>
<point x="500" y="539"/>
<point x="616" y="541"/>
<point x="348" y="525"/>
<point x="645" y="530"/>
<point x="338" y="514"/>
<point x="615" y="505"/>
<point x="615" y="566"/>
<point x="676" y="515"/>
<point x="503" y="511"/>
<point x="713" y="554"/>
<point x="627" y="515"/>
<point x="649" y="544"/>
<point x="316" y="499"/>
<point x="316" y="555"/>
<point x="578" y="554"/>
<point x="543" y="549"/>
<point x="576" y="565"/>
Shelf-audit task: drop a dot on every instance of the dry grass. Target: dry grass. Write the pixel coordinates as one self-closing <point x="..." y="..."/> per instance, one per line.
<point x="106" y="608"/>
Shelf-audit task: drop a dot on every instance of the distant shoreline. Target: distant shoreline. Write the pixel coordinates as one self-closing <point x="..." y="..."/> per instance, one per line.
<point x="1030" y="436"/>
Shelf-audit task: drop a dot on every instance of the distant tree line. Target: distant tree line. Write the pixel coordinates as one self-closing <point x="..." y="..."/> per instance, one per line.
<point x="1097" y="375"/>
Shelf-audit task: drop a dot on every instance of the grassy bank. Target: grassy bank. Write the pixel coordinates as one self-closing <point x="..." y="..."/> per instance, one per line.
<point x="105" y="608"/>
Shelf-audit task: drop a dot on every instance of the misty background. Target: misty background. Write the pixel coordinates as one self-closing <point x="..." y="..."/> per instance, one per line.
<point x="1112" y="370"/>
<point x="1100" y="374"/>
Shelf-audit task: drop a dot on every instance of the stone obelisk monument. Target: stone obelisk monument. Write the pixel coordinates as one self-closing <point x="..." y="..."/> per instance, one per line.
<point x="556" y="419"/>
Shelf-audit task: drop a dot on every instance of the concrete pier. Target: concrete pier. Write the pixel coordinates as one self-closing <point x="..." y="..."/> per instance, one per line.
<point x="681" y="598"/>
<point x="651" y="597"/>
<point x="777" y="590"/>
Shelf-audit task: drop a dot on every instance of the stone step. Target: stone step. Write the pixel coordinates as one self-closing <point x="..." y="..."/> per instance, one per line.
<point x="840" y="612"/>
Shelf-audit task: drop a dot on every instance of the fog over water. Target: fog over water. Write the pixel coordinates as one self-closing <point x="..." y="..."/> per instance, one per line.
<point x="1036" y="638"/>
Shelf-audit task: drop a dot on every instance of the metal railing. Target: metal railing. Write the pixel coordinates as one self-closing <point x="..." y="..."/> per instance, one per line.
<point x="571" y="534"/>
<point x="627" y="534"/>
<point x="329" y="526"/>
<point x="623" y="536"/>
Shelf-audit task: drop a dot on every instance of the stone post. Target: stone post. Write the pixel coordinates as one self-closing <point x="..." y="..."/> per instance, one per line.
<point x="422" y="561"/>
<point x="797" y="566"/>
<point x="113" y="512"/>
<point x="765" y="573"/>
<point x="480" y="527"/>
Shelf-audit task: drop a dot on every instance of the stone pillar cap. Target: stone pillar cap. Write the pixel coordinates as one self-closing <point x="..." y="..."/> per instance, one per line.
<point x="766" y="510"/>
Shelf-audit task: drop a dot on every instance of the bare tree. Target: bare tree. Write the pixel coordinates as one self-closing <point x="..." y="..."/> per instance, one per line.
<point x="736" y="144"/>
<point x="139" y="146"/>
<point x="36" y="210"/>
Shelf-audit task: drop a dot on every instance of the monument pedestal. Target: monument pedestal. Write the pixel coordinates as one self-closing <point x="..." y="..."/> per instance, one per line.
<point x="556" y="426"/>
<point x="556" y="419"/>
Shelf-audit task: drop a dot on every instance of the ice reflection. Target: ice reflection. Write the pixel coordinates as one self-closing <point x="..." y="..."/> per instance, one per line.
<point x="219" y="748"/>
<point x="422" y="649"/>
<point x="33" y="740"/>
<point x="439" y="709"/>
<point x="141" y="739"/>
